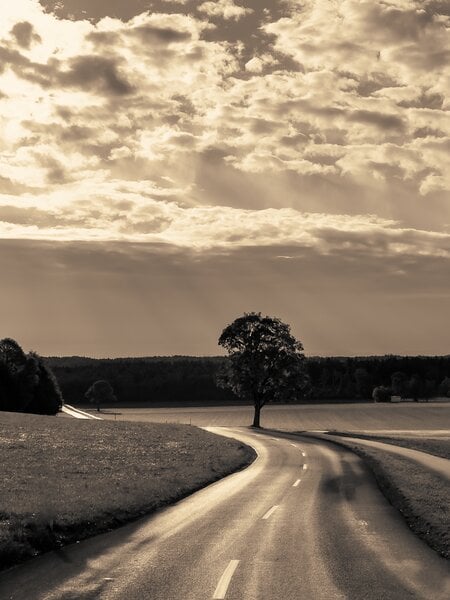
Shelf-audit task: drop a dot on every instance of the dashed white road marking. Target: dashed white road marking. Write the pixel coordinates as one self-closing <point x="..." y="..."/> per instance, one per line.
<point x="303" y="453"/>
<point x="295" y="445"/>
<point x="305" y="467"/>
<point x="270" y="511"/>
<point x="296" y="483"/>
<point x="224" y="581"/>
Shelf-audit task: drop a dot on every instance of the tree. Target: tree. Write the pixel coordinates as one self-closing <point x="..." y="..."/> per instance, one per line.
<point x="100" y="392"/>
<point x="415" y="388"/>
<point x="265" y="362"/>
<point x="362" y="382"/>
<point x="381" y="394"/>
<point x="47" y="395"/>
<point x="444" y="387"/>
<point x="398" y="384"/>
<point x="26" y="383"/>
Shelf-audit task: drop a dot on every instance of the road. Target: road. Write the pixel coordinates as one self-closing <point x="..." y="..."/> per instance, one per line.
<point x="304" y="521"/>
<point x="437" y="464"/>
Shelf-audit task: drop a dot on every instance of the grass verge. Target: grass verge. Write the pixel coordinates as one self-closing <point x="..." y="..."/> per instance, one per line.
<point x="422" y="497"/>
<point x="64" y="480"/>
<point x="436" y="446"/>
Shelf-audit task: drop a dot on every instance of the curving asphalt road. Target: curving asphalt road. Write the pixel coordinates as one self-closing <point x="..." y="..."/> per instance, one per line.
<point x="437" y="464"/>
<point x="305" y="521"/>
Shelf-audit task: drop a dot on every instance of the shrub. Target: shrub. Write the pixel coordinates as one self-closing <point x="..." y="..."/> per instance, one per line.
<point x="26" y="383"/>
<point x="382" y="394"/>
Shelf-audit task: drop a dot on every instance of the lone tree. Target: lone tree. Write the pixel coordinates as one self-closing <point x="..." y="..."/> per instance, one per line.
<point x="265" y="363"/>
<point x="100" y="392"/>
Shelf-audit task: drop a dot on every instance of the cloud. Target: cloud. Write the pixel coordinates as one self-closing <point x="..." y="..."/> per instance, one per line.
<point x="190" y="122"/>
<point x="225" y="9"/>
<point x="96" y="72"/>
<point x="25" y="35"/>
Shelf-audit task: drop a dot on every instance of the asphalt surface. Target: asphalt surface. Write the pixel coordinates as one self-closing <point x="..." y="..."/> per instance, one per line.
<point x="437" y="464"/>
<point x="305" y="521"/>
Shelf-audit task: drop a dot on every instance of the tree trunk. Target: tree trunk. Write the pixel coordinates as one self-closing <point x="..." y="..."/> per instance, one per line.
<point x="256" y="418"/>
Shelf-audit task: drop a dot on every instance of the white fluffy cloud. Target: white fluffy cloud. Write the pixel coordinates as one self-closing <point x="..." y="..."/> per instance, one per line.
<point x="226" y="9"/>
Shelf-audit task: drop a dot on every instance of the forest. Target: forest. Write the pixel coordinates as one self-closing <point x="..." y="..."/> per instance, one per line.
<point x="31" y="383"/>
<point x="193" y="380"/>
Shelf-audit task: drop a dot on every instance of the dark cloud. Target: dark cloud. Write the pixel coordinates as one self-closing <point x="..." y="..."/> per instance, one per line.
<point x="425" y="100"/>
<point x="9" y="186"/>
<point x="416" y="58"/>
<point x="422" y="132"/>
<point x="24" y="34"/>
<point x="39" y="73"/>
<point x="98" y="73"/>
<point x="27" y="216"/>
<point x="91" y="72"/>
<point x="437" y="7"/>
<point x="398" y="24"/>
<point x="103" y="38"/>
<point x="94" y="11"/>
<point x="382" y="120"/>
<point x="57" y="173"/>
<point x="294" y="141"/>
<point x="373" y="83"/>
<point x="149" y="34"/>
<point x="75" y="133"/>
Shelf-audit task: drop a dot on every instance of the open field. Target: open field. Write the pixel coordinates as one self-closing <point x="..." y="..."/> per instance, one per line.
<point x="421" y="496"/>
<point x="64" y="479"/>
<point x="429" y="417"/>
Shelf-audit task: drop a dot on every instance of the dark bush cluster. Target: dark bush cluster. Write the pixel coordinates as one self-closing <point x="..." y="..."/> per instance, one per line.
<point x="26" y="382"/>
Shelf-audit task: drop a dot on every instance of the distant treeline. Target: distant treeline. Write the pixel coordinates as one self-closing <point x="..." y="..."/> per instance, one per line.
<point x="192" y="380"/>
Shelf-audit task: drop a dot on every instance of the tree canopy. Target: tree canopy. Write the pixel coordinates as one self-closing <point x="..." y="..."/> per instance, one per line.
<point x="101" y="392"/>
<point x="265" y="361"/>
<point x="26" y="382"/>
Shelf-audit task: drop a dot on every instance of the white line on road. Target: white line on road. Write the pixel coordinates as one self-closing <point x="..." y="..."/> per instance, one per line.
<point x="305" y="467"/>
<point x="224" y="582"/>
<point x="303" y="453"/>
<point x="296" y="483"/>
<point x="270" y="511"/>
<point x="295" y="445"/>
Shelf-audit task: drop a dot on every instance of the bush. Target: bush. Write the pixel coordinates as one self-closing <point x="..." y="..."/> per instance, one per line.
<point x="26" y="383"/>
<point x="382" y="394"/>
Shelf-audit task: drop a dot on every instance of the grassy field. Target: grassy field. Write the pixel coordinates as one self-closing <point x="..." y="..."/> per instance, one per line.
<point x="341" y="417"/>
<point x="422" y="497"/>
<point x="64" y="480"/>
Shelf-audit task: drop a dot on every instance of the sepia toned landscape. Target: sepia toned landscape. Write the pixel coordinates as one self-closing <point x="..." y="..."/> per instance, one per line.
<point x="224" y="300"/>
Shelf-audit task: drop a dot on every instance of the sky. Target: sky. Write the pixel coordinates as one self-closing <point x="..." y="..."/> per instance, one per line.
<point x="166" y="166"/>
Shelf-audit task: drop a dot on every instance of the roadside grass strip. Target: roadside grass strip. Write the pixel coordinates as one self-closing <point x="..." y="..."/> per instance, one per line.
<point x="437" y="447"/>
<point x="67" y="479"/>
<point x="420" y="495"/>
